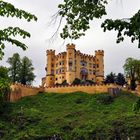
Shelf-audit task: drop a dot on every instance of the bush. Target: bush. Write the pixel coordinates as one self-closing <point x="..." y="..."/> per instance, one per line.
<point x="76" y="81"/>
<point x="4" y="91"/>
<point x="104" y="99"/>
<point x="136" y="106"/>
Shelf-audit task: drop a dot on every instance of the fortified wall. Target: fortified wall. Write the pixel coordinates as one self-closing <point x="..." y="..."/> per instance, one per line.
<point x="18" y="91"/>
<point x="91" y="89"/>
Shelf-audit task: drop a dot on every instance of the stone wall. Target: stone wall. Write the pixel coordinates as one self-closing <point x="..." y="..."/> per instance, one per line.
<point x="18" y="91"/>
<point x="84" y="88"/>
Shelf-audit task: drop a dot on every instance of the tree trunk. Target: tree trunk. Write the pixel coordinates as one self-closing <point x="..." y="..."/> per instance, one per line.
<point x="133" y="84"/>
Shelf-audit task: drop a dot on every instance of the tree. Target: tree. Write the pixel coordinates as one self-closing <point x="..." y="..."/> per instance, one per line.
<point x="4" y="86"/>
<point x="110" y="78"/>
<point x="21" y="70"/>
<point x="26" y="71"/>
<point x="79" y="13"/>
<point x="120" y="80"/>
<point x="15" y="66"/>
<point x="4" y="72"/>
<point x="132" y="71"/>
<point x="126" y="27"/>
<point x="6" y="35"/>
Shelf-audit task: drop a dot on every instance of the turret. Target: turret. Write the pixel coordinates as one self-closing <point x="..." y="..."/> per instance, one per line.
<point x="70" y="73"/>
<point x="50" y="79"/>
<point x="99" y="55"/>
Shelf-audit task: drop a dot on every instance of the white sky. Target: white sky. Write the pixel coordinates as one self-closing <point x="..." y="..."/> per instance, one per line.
<point x="95" y="38"/>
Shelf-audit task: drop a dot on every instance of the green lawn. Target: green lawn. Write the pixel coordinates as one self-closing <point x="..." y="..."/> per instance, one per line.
<point x="75" y="116"/>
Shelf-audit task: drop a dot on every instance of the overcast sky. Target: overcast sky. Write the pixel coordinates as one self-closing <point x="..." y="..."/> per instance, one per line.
<point x="95" y="38"/>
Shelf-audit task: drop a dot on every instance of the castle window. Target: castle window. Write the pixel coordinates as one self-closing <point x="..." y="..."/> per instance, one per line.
<point x="52" y="59"/>
<point x="83" y="63"/>
<point x="90" y="65"/>
<point x="94" y="72"/>
<point x="52" y="65"/>
<point x="56" y="79"/>
<point x="59" y="63"/>
<point x="97" y="65"/>
<point x="94" y="66"/>
<point x="52" y="71"/>
<point x="56" y="71"/>
<point x="62" y="77"/>
<point x="62" y="70"/>
<point x="62" y="62"/>
<point x="90" y="71"/>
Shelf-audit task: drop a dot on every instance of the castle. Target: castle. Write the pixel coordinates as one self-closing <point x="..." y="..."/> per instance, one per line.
<point x="67" y="66"/>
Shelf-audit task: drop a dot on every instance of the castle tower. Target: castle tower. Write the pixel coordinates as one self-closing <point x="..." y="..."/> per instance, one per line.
<point x="70" y="72"/>
<point x="99" y="55"/>
<point x="50" y="78"/>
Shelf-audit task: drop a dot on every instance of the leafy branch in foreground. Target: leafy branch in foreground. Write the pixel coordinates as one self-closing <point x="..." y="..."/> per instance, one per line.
<point x="129" y="27"/>
<point x="8" y="10"/>
<point x="78" y="14"/>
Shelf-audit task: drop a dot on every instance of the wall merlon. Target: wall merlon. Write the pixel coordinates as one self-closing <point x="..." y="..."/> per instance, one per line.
<point x="52" y="52"/>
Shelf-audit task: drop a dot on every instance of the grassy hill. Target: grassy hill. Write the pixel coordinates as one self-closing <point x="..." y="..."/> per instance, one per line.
<point x="75" y="116"/>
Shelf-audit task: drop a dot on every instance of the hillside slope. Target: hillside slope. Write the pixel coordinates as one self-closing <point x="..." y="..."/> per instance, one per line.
<point x="75" y="116"/>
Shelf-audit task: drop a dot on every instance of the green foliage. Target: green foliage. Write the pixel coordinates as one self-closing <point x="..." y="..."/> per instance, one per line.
<point x="46" y="116"/>
<point x="104" y="99"/>
<point x="78" y="14"/>
<point x="136" y="106"/>
<point x="4" y="86"/>
<point x="120" y="80"/>
<point x="125" y="27"/>
<point x="110" y="78"/>
<point x="21" y="70"/>
<point x="26" y="71"/>
<point x="6" y="35"/>
<point x="132" y="71"/>
<point x="4" y="73"/>
<point x="76" y="81"/>
<point x="4" y="92"/>
<point x="14" y="69"/>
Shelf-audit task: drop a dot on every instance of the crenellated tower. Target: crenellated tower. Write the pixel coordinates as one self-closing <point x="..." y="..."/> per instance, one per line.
<point x="99" y="55"/>
<point x="50" y="68"/>
<point x="70" y="63"/>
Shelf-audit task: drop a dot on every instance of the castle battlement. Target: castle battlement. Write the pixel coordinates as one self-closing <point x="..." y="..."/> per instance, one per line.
<point x="70" y="46"/>
<point x="50" y="52"/>
<point x="99" y="52"/>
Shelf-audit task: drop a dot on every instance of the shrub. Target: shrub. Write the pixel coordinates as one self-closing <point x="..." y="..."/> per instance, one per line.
<point x="104" y="99"/>
<point x="76" y="81"/>
<point x="4" y="91"/>
<point x="136" y="106"/>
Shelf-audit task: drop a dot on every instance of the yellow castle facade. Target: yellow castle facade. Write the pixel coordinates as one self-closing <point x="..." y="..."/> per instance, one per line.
<point x="72" y="64"/>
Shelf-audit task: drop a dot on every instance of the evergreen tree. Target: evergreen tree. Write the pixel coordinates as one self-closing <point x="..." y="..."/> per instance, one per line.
<point x="21" y="70"/>
<point x="26" y="71"/>
<point x="15" y="66"/>
<point x="120" y="80"/>
<point x="110" y="78"/>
